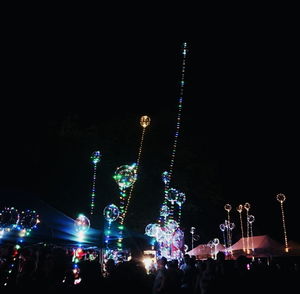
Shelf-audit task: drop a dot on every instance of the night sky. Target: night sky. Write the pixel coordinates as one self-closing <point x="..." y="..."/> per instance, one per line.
<point x="66" y="95"/>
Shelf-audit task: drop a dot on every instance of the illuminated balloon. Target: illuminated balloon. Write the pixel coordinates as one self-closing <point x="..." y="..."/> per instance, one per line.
<point x="166" y="177"/>
<point x="111" y="212"/>
<point x="9" y="218"/>
<point x="180" y="198"/>
<point x="172" y="195"/>
<point x="222" y="227"/>
<point x="216" y="241"/>
<point x="251" y="219"/>
<point x="186" y="248"/>
<point x="231" y="226"/>
<point x="172" y="225"/>
<point x="210" y="244"/>
<point x="227" y="207"/>
<point x="95" y="157"/>
<point x="82" y="223"/>
<point x="28" y="219"/>
<point x="152" y="230"/>
<point x="280" y="197"/>
<point x="247" y="206"/>
<point x="240" y="208"/>
<point x="145" y="121"/>
<point x="165" y="211"/>
<point x="126" y="175"/>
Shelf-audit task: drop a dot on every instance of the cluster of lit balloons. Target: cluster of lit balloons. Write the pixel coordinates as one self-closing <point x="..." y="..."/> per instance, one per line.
<point x="13" y="220"/>
<point x="169" y="237"/>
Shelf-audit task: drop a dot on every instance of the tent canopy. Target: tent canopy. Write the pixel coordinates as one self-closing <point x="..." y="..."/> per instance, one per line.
<point x="263" y="245"/>
<point x="204" y="251"/>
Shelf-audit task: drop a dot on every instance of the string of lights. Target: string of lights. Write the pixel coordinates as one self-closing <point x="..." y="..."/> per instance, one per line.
<point x="95" y="159"/>
<point x="281" y="198"/>
<point x="144" y="122"/>
<point x="174" y="147"/>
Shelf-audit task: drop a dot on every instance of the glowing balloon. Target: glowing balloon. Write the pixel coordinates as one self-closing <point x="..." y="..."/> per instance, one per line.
<point x="180" y="198"/>
<point x="9" y="218"/>
<point x="186" y="248"/>
<point x="280" y="197"/>
<point x="240" y="208"/>
<point x="251" y="219"/>
<point x="222" y="227"/>
<point x="165" y="211"/>
<point x="210" y="244"/>
<point x="227" y="207"/>
<point x="111" y="212"/>
<point x="95" y="157"/>
<point x="166" y="177"/>
<point x="145" y="121"/>
<point x="28" y="219"/>
<point x="126" y="175"/>
<point x="172" y="225"/>
<point x="216" y="241"/>
<point x="152" y="230"/>
<point x="231" y="226"/>
<point x="172" y="195"/>
<point x="247" y="206"/>
<point x="82" y="223"/>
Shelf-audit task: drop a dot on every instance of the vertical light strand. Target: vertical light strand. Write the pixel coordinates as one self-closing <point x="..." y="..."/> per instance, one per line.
<point x="144" y="121"/>
<point x="247" y="207"/>
<point x="251" y="219"/>
<point x="227" y="207"/>
<point x="95" y="159"/>
<point x="180" y="102"/>
<point x="281" y="198"/>
<point x="240" y="209"/>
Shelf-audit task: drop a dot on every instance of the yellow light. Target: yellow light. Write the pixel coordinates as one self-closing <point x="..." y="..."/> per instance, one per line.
<point x="145" y="121"/>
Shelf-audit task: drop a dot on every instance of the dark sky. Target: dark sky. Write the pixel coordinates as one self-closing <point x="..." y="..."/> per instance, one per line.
<point x="66" y="94"/>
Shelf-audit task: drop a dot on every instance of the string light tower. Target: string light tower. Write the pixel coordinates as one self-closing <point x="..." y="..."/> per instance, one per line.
<point x="144" y="122"/>
<point x="247" y="207"/>
<point x="239" y="210"/>
<point x="167" y="175"/>
<point x="95" y="157"/>
<point x="281" y="198"/>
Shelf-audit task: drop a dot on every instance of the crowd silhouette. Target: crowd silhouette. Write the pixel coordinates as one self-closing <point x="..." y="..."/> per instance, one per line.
<point x="47" y="268"/>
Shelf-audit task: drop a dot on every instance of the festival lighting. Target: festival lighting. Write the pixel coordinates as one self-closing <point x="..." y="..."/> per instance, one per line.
<point x="281" y="198"/>
<point x="239" y="210"/>
<point x="95" y="157"/>
<point x="247" y="207"/>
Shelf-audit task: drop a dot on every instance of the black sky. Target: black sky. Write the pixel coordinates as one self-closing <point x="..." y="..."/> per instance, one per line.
<point x="67" y="94"/>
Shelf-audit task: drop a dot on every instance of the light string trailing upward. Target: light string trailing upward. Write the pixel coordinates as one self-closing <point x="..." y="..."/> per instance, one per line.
<point x="95" y="159"/>
<point x="240" y="209"/>
<point x="281" y="198"/>
<point x="144" y="122"/>
<point x="180" y="101"/>
<point x="247" y="207"/>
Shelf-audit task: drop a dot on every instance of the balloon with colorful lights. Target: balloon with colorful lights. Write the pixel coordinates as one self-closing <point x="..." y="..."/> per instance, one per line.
<point x="125" y="176"/>
<point x="82" y="223"/>
<point x="111" y="212"/>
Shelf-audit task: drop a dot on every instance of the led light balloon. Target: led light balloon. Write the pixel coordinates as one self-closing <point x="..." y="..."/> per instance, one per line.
<point x="9" y="218"/>
<point x="165" y="177"/>
<point x="28" y="219"/>
<point x="111" y="212"/>
<point x="82" y="223"/>
<point x="145" y="121"/>
<point x="172" y="195"/>
<point x="165" y="211"/>
<point x="180" y="198"/>
<point x="281" y="199"/>
<point x="125" y="176"/>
